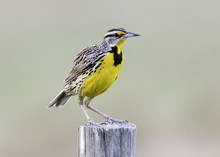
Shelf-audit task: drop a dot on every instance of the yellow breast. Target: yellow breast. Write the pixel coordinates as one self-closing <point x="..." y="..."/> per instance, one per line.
<point x="100" y="80"/>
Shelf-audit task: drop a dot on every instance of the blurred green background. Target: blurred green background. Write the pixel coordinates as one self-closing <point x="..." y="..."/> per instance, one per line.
<point x="169" y="84"/>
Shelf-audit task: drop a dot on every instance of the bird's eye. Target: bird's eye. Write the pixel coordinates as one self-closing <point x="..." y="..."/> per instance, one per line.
<point x="116" y="35"/>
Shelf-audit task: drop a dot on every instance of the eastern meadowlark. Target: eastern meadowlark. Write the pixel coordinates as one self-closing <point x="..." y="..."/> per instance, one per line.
<point x="96" y="68"/>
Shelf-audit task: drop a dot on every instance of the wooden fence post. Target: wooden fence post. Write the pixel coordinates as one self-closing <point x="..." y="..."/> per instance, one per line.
<point x="107" y="140"/>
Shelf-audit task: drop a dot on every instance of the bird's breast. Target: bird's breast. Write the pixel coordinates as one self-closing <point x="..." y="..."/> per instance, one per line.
<point x="103" y="76"/>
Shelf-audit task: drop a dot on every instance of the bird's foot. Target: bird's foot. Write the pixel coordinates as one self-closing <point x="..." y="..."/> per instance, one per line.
<point x="112" y="120"/>
<point x="91" y="122"/>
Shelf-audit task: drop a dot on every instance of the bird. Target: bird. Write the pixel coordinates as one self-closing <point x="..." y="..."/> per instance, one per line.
<point x="95" y="69"/>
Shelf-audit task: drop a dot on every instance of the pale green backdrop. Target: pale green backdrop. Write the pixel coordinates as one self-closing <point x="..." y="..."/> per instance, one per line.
<point x="169" y="85"/>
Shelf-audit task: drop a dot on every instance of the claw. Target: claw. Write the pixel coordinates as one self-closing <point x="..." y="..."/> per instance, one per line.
<point x="104" y="122"/>
<point x="91" y="122"/>
<point x="112" y="120"/>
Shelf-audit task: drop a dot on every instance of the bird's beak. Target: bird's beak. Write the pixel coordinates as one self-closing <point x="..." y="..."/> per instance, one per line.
<point x="130" y="34"/>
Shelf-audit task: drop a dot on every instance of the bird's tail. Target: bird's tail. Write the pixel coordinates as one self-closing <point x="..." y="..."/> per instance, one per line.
<point x="59" y="100"/>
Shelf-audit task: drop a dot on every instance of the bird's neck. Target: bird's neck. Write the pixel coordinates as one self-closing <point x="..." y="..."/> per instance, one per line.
<point x="104" y="46"/>
<point x="119" y="45"/>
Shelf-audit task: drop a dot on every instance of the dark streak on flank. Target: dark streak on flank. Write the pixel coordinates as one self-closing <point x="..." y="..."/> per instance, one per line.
<point x="97" y="67"/>
<point x="91" y="65"/>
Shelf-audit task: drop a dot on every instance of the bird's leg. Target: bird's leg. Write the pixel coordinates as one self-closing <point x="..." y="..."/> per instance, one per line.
<point x="107" y="118"/>
<point x="80" y="102"/>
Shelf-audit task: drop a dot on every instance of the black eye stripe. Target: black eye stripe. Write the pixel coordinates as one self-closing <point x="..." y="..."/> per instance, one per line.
<point x="113" y="35"/>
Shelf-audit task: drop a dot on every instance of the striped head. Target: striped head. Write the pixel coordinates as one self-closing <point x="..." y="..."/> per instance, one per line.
<point x="116" y="37"/>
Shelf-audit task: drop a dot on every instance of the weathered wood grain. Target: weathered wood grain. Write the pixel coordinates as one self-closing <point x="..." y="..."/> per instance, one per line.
<point x="107" y="140"/>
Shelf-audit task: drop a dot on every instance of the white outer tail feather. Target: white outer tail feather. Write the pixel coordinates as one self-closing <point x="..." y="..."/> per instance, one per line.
<point x="59" y="100"/>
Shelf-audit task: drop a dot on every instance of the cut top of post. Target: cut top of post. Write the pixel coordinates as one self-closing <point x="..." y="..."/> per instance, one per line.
<point x="107" y="126"/>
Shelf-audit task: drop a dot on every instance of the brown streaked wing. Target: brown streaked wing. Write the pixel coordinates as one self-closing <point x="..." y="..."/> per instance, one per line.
<point x="83" y="60"/>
